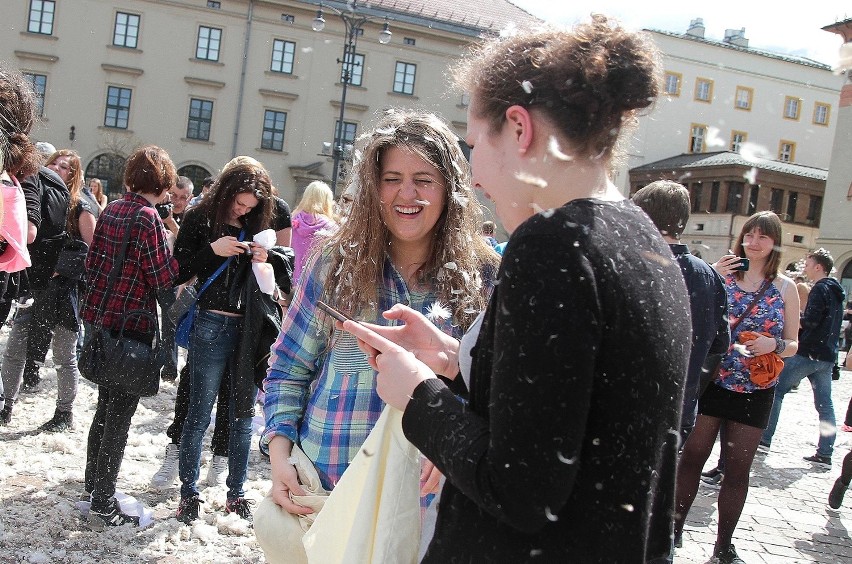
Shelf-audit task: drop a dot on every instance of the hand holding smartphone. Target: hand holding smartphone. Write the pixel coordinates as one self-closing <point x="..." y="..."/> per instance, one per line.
<point x="341" y="317"/>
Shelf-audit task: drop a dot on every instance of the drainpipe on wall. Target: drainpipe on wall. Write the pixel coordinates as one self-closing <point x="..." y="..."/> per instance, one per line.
<point x="242" y="79"/>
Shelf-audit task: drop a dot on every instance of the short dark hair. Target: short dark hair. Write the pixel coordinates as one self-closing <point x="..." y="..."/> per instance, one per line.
<point x="207" y="182"/>
<point x="667" y="204"/>
<point x="149" y="170"/>
<point x="488" y="227"/>
<point x="823" y="258"/>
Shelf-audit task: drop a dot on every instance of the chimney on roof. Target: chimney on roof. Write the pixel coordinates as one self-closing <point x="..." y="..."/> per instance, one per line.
<point x="736" y="37"/>
<point x="696" y="28"/>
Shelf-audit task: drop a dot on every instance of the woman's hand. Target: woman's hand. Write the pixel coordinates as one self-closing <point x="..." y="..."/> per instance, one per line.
<point x="727" y="264"/>
<point x="284" y="477"/>
<point x="430" y="345"/>
<point x="399" y="372"/>
<point x="259" y="254"/>
<point x="430" y="478"/>
<point x="228" y="246"/>
<point x="761" y="345"/>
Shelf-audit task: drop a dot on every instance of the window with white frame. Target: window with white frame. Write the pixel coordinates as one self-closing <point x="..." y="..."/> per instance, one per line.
<point x="126" y="33"/>
<point x="792" y="107"/>
<point x="403" y="79"/>
<point x="117" y="107"/>
<point x="698" y="133"/>
<point x="821" y="113"/>
<point x="38" y="82"/>
<point x="41" y="16"/>
<point x="356" y="69"/>
<point x="283" y="55"/>
<point x="673" y="80"/>
<point x="703" y="89"/>
<point x="207" y="47"/>
<point x="200" y="119"/>
<point x="737" y="139"/>
<point x="743" y="98"/>
<point x="273" y="130"/>
<point x="787" y="151"/>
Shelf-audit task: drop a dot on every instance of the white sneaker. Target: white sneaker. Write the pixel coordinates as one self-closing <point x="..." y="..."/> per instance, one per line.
<point x="168" y="472"/>
<point x="217" y="470"/>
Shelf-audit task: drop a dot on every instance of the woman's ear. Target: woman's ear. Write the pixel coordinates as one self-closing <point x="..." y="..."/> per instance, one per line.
<point x="520" y="124"/>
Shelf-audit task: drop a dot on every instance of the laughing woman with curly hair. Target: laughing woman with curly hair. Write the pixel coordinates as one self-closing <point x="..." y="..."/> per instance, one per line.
<point x="423" y="249"/>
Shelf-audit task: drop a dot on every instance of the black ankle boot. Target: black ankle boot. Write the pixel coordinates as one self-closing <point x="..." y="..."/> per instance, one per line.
<point x="31" y="378"/>
<point x="6" y="415"/>
<point x="61" y="421"/>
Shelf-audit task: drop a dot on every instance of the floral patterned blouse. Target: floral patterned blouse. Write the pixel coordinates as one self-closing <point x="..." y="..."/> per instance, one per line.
<point x="766" y="317"/>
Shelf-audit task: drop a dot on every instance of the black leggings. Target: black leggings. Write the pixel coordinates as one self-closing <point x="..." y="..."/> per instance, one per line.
<point x="742" y="441"/>
<point x="107" y="440"/>
<point x="219" y="444"/>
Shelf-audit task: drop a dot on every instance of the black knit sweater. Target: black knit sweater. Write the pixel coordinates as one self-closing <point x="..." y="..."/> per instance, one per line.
<point x="566" y="451"/>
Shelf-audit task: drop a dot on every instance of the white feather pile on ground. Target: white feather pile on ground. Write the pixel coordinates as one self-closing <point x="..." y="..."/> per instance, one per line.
<point x="41" y="479"/>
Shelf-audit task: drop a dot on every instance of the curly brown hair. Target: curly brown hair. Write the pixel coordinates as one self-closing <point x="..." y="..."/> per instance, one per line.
<point x="458" y="255"/>
<point x="18" y="155"/>
<point x="588" y="82"/>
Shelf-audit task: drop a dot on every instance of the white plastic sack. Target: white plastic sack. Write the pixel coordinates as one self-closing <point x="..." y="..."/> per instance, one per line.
<point x="263" y="271"/>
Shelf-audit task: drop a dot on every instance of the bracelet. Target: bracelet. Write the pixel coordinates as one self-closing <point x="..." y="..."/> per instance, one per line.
<point x="780" y="345"/>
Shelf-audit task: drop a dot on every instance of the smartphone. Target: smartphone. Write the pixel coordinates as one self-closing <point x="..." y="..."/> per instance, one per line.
<point x="333" y="312"/>
<point x="743" y="265"/>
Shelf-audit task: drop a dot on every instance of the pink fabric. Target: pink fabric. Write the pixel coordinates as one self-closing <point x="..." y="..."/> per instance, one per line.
<point x="14" y="229"/>
<point x="306" y="227"/>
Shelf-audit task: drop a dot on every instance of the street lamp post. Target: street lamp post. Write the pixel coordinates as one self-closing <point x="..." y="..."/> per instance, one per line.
<point x="353" y="23"/>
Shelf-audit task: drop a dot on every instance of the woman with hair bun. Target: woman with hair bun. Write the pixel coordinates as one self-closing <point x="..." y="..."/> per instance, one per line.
<point x="566" y="449"/>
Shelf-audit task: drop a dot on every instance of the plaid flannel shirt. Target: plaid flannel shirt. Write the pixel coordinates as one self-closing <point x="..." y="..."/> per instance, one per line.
<point x="148" y="265"/>
<point x="324" y="399"/>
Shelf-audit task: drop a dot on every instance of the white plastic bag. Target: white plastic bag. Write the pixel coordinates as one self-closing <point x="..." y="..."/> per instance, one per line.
<point x="262" y="270"/>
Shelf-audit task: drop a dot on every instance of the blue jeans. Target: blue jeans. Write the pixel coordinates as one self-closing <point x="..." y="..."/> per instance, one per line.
<point x="212" y="345"/>
<point x="796" y="368"/>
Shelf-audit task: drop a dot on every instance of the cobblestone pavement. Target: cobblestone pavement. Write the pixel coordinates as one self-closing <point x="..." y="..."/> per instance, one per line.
<point x="786" y="517"/>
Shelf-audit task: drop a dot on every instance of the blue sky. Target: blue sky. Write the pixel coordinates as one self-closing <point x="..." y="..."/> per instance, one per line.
<point x="783" y="27"/>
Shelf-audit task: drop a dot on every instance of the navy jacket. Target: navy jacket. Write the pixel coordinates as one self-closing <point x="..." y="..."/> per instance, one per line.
<point x="819" y="332"/>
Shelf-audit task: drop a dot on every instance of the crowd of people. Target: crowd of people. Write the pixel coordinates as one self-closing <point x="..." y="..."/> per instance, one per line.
<point x="565" y="388"/>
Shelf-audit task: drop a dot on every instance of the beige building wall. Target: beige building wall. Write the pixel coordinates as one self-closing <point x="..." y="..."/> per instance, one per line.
<point x="665" y="131"/>
<point x="163" y="74"/>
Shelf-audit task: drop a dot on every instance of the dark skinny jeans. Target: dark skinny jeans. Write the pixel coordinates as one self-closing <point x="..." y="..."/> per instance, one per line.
<point x="219" y="444"/>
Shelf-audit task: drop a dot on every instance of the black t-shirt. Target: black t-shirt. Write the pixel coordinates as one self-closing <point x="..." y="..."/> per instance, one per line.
<point x="282" y="215"/>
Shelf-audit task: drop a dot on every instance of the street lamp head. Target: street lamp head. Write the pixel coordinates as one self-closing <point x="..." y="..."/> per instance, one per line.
<point x="385" y="35"/>
<point x="319" y="22"/>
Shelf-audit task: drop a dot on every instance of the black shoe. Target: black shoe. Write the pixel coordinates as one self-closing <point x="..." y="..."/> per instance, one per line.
<point x="835" y="497"/>
<point x="819" y="459"/>
<point x="728" y="556"/>
<point x="6" y="415"/>
<point x="241" y="506"/>
<point x="62" y="421"/>
<point x="713" y="477"/>
<point x="31" y="379"/>
<point x="110" y="516"/>
<point x="188" y="509"/>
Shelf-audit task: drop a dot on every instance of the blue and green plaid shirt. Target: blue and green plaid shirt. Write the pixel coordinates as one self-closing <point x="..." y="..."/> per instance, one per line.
<point x="322" y="398"/>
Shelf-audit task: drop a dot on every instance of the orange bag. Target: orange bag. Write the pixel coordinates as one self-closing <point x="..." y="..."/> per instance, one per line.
<point x="763" y="369"/>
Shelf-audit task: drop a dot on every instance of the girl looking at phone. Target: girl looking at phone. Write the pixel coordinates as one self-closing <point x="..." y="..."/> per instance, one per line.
<point x="566" y="449"/>
<point x="240" y="205"/>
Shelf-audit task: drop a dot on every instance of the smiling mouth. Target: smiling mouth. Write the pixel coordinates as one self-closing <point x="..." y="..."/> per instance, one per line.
<point x="408" y="210"/>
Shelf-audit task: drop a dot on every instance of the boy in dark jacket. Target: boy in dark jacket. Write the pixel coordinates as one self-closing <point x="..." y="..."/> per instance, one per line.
<point x="818" y="339"/>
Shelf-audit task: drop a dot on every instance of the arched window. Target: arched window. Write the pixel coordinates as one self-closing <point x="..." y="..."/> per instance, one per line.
<point x="847" y="270"/>
<point x="109" y="169"/>
<point x="195" y="173"/>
